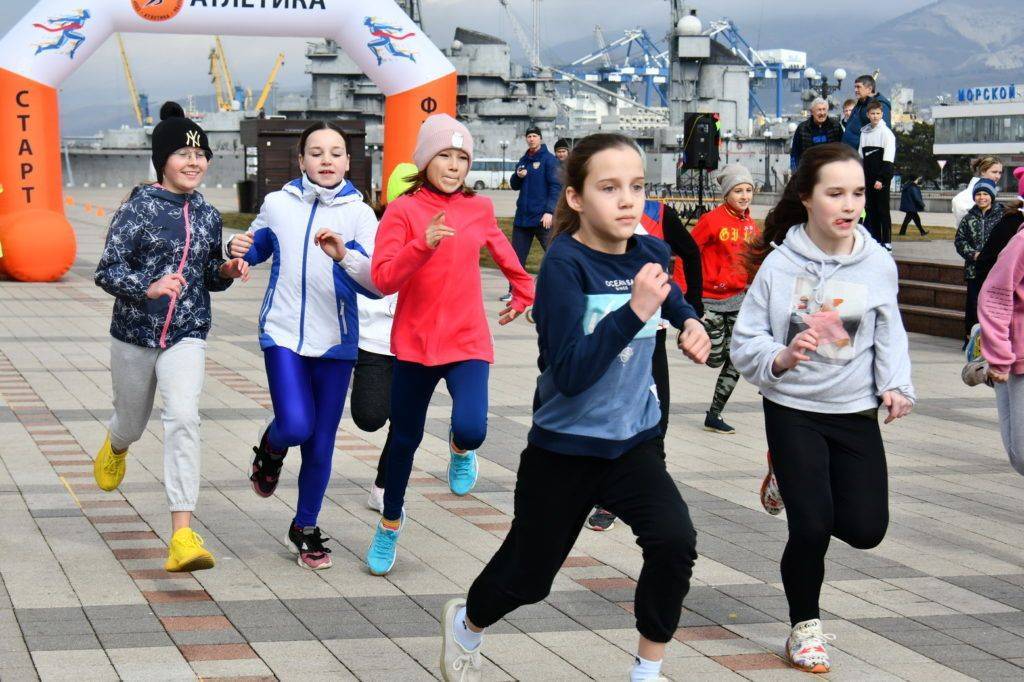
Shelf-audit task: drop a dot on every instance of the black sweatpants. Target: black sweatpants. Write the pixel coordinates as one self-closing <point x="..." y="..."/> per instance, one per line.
<point x="554" y="494"/>
<point x="879" y="217"/>
<point x="370" y="403"/>
<point x="916" y="217"/>
<point x="832" y="475"/>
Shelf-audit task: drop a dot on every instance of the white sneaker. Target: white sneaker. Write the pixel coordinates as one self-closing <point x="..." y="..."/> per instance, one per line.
<point x="805" y="647"/>
<point x="376" y="499"/>
<point x="457" y="663"/>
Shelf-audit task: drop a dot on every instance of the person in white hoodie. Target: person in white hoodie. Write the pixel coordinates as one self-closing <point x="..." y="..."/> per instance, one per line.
<point x="309" y="323"/>
<point x="820" y="334"/>
<point x="983" y="167"/>
<point x="878" y="150"/>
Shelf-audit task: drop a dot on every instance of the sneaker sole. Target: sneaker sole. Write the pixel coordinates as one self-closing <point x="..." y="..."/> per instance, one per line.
<point x="197" y="564"/>
<point x="722" y="431"/>
<point x="767" y="508"/>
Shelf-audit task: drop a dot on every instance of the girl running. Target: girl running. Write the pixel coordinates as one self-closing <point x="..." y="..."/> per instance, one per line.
<point x="820" y="335"/>
<point x="428" y="250"/>
<point x="309" y="323"/>
<point x="602" y="292"/>
<point x="161" y="260"/>
<point x="723" y="235"/>
<point x="1001" y="311"/>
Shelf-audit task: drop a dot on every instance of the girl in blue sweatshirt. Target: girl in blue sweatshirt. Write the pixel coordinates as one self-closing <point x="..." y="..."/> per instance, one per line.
<point x="600" y="296"/>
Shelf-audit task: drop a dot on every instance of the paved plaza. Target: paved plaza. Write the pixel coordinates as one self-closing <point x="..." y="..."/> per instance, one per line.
<point x="83" y="595"/>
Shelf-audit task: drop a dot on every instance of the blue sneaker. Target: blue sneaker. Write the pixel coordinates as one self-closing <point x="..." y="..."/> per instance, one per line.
<point x="383" y="549"/>
<point x="462" y="470"/>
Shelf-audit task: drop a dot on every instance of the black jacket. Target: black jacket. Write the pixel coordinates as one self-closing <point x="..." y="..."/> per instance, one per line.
<point x="911" y="200"/>
<point x="998" y="238"/>
<point x="809" y="133"/>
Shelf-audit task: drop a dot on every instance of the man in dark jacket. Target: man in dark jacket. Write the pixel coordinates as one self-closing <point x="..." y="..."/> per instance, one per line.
<point x="537" y="179"/>
<point x="820" y="128"/>
<point x="864" y="89"/>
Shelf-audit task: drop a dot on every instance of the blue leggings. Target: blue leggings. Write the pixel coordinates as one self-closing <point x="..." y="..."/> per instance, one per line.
<point x="412" y="386"/>
<point x="308" y="396"/>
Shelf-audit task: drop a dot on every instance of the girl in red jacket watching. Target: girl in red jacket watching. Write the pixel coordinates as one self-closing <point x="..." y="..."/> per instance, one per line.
<point x="428" y="250"/>
<point x="723" y="235"/>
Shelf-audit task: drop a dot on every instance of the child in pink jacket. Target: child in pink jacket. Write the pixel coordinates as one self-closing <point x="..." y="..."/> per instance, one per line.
<point x="1001" y="313"/>
<point x="428" y="251"/>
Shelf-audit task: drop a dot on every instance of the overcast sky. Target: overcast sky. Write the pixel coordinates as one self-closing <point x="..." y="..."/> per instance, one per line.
<point x="166" y="66"/>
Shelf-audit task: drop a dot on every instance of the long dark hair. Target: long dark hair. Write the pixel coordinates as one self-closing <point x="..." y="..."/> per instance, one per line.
<point x="567" y="220"/>
<point x="790" y="210"/>
<point x="320" y="125"/>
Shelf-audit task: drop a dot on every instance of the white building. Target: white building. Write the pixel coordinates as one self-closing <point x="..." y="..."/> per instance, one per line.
<point x="982" y="120"/>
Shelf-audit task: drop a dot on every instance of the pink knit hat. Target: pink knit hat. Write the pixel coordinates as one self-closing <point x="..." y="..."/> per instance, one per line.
<point x="1019" y="174"/>
<point x="440" y="132"/>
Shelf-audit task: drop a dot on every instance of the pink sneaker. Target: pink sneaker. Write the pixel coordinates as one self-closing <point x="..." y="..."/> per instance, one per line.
<point x="771" y="497"/>
<point x="309" y="545"/>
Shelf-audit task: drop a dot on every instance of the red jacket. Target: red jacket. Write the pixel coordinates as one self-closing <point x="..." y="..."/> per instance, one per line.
<point x="723" y="237"/>
<point x="440" y="315"/>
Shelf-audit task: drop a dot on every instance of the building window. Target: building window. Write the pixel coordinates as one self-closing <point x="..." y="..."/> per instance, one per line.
<point x="979" y="129"/>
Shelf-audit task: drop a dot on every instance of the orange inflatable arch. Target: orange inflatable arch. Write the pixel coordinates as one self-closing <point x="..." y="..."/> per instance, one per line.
<point x="56" y="36"/>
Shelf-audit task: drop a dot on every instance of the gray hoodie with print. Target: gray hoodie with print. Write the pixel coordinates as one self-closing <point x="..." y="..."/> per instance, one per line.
<point x="850" y="301"/>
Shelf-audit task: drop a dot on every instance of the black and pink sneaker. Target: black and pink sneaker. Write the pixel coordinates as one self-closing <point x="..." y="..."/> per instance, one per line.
<point x="308" y="543"/>
<point x="266" y="466"/>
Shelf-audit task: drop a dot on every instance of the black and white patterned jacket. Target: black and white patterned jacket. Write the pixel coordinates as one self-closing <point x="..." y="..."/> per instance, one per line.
<point x="147" y="240"/>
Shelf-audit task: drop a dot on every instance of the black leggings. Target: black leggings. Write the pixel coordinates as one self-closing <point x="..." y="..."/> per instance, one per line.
<point x="554" y="494"/>
<point x="971" y="306"/>
<point x="916" y="217"/>
<point x="832" y="475"/>
<point x="371" y="400"/>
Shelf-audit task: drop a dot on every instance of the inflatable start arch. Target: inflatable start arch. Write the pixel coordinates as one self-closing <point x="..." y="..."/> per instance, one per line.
<point x="56" y="36"/>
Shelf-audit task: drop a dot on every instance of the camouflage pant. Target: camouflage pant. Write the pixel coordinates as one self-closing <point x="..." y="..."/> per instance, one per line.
<point x="719" y="328"/>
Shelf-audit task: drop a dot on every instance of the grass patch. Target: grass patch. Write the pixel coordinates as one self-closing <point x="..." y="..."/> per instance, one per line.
<point x="237" y="221"/>
<point x="532" y="261"/>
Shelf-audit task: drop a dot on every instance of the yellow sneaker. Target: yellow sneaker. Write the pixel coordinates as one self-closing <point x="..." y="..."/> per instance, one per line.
<point x="186" y="553"/>
<point x="108" y="469"/>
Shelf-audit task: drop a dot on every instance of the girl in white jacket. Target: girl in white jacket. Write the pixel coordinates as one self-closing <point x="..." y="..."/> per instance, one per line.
<point x="308" y="323"/>
<point x="983" y="167"/>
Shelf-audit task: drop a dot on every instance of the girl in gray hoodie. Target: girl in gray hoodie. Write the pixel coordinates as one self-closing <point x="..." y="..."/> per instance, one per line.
<point x="820" y="334"/>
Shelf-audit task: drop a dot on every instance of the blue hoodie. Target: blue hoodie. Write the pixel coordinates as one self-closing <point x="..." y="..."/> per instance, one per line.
<point x="596" y="395"/>
<point x="539" y="190"/>
<point x="147" y="240"/>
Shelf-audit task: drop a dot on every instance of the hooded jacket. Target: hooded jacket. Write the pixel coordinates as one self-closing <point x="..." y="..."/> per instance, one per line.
<point x="723" y="236"/>
<point x="1001" y="310"/>
<point x="440" y="314"/>
<point x="972" y="234"/>
<point x="539" y="190"/>
<point x="850" y="300"/>
<point x="310" y="304"/>
<point x="156" y="233"/>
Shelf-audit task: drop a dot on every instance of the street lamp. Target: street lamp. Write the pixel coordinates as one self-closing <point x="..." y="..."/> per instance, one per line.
<point x="504" y="145"/>
<point x="767" y="186"/>
<point x="826" y="88"/>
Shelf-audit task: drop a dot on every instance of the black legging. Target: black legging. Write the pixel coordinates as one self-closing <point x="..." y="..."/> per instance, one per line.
<point x="659" y="367"/>
<point x="832" y="475"/>
<point x="370" y="403"/>
<point x="916" y="217"/>
<point x="971" y="306"/>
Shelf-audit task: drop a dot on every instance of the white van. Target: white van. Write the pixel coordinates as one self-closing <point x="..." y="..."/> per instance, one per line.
<point x="486" y="173"/>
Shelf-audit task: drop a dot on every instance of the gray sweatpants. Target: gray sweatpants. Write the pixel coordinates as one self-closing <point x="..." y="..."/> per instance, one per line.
<point x="1010" y="404"/>
<point x="177" y="372"/>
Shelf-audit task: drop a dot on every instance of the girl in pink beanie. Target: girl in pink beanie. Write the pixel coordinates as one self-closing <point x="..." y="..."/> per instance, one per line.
<point x="428" y="250"/>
